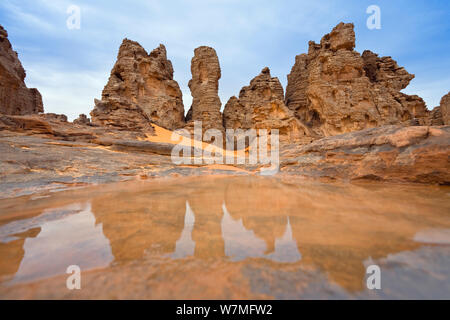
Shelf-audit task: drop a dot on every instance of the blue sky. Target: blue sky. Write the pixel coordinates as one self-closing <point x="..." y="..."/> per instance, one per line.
<point x="70" y="67"/>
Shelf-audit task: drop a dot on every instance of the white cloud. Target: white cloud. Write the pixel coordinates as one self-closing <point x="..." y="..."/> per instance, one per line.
<point x="70" y="68"/>
<point x="70" y="93"/>
<point x="26" y="18"/>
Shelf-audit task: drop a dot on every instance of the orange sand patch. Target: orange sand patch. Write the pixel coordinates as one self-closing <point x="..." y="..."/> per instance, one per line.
<point x="165" y="136"/>
<point x="218" y="167"/>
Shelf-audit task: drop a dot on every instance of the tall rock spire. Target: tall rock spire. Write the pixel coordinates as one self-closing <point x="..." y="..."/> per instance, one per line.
<point x="204" y="87"/>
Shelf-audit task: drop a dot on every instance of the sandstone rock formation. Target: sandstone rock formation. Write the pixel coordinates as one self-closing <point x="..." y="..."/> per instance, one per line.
<point x="440" y="115"/>
<point x="261" y="106"/>
<point x="331" y="90"/>
<point x="445" y="109"/>
<point x="82" y="120"/>
<point x="54" y="116"/>
<point x="140" y="90"/>
<point x="436" y="118"/>
<point x="334" y="89"/>
<point x="44" y="154"/>
<point x="204" y="87"/>
<point x="15" y="97"/>
<point x="389" y="153"/>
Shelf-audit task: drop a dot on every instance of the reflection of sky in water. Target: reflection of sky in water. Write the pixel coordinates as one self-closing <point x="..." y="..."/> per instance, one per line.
<point x="286" y="249"/>
<point x="72" y="240"/>
<point x="70" y="236"/>
<point x="417" y="274"/>
<point x="407" y="273"/>
<point x="185" y="246"/>
<point x="241" y="243"/>
<point x="436" y="236"/>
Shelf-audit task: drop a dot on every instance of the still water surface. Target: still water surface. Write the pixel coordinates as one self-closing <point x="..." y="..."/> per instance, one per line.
<point x="228" y="237"/>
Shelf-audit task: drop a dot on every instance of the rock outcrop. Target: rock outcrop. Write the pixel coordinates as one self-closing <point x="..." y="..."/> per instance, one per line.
<point x="204" y="87"/>
<point x="97" y="154"/>
<point x="334" y="89"/>
<point x="54" y="116"/>
<point x="140" y="90"/>
<point x="440" y="115"/>
<point x="15" y="97"/>
<point x="445" y="109"/>
<point x="389" y="153"/>
<point x="82" y="120"/>
<point x="261" y="106"/>
<point x="436" y="118"/>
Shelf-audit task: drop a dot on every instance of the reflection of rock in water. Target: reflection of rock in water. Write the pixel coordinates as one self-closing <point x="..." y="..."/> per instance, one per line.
<point x="73" y="239"/>
<point x="335" y="227"/>
<point x="12" y="252"/>
<point x="417" y="274"/>
<point x="139" y="222"/>
<point x="241" y="243"/>
<point x="261" y="205"/>
<point x="286" y="249"/>
<point x="185" y="246"/>
<point x="206" y="200"/>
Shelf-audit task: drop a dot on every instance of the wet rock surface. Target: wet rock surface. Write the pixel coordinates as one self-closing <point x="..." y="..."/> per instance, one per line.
<point x="227" y="238"/>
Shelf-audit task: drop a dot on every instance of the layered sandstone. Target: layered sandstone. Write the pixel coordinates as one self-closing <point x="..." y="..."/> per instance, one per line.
<point x="261" y="106"/>
<point x="445" y="109"/>
<point x="15" y="97"/>
<point x="82" y="120"/>
<point x="42" y="152"/>
<point x="436" y="118"/>
<point x="388" y="153"/>
<point x="204" y="85"/>
<point x="140" y="90"/>
<point x="440" y="115"/>
<point x="334" y="89"/>
<point x="54" y="116"/>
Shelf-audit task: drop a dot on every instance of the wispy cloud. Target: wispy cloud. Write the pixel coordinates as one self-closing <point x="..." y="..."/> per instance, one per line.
<point x="70" y="67"/>
<point x="27" y="19"/>
<point x="71" y="93"/>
